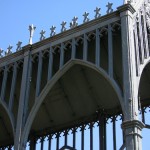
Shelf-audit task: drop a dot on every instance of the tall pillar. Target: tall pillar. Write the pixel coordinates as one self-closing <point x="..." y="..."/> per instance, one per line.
<point x="131" y="125"/>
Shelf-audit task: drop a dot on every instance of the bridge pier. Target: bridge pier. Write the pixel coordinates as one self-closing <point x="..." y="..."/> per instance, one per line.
<point x="131" y="126"/>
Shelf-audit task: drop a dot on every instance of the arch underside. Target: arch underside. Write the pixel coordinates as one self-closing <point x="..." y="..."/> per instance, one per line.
<point x="76" y="98"/>
<point x="144" y="86"/>
<point x="6" y="132"/>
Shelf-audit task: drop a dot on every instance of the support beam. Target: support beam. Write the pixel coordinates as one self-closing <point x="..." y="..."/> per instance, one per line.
<point x="3" y="89"/>
<point x="110" y="51"/>
<point x="97" y="55"/>
<point x="73" y="52"/>
<point x="61" y="56"/>
<point x="50" y="64"/>
<point x="85" y="48"/>
<point x="39" y="74"/>
<point x="13" y="84"/>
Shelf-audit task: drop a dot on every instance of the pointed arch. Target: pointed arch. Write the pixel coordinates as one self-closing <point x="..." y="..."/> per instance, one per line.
<point x="53" y="81"/>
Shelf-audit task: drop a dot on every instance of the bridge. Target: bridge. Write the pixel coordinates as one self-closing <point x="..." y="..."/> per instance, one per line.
<point x="80" y="77"/>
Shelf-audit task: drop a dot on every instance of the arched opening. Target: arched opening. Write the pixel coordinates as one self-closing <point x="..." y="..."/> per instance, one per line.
<point x="144" y="104"/>
<point x="6" y="131"/>
<point x="78" y="97"/>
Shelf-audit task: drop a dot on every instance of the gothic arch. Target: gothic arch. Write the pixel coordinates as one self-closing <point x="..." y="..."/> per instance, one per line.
<point x="53" y="81"/>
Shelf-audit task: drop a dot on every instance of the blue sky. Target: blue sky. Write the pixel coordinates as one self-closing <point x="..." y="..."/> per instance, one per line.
<point x="16" y="16"/>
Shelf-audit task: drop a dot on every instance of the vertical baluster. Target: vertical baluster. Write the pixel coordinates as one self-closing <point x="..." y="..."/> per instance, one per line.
<point x="9" y="147"/>
<point x="74" y="137"/>
<point x="143" y="115"/>
<point x="42" y="143"/>
<point x="13" y="84"/>
<point x="49" y="141"/>
<point x="73" y="54"/>
<point x="50" y="64"/>
<point x="61" y="56"/>
<point x="102" y="130"/>
<point x="97" y="55"/>
<point x="85" y="47"/>
<point x="141" y="39"/>
<point x="114" y="132"/>
<point x="57" y="141"/>
<point x="99" y="133"/>
<point x="136" y="48"/>
<point x="91" y="136"/>
<point x="3" y="89"/>
<point x="110" y="51"/>
<point x="82" y="137"/>
<point x="33" y="144"/>
<point x="66" y="137"/>
<point x="39" y="75"/>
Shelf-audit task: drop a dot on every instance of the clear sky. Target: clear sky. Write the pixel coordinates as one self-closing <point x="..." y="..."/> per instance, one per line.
<point x="17" y="15"/>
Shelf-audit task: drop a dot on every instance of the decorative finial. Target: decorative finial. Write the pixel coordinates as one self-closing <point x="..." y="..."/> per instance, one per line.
<point x="52" y="31"/>
<point x="109" y="8"/>
<point x="19" y="46"/>
<point x="42" y="37"/>
<point x="31" y="29"/>
<point x="1" y="52"/>
<point x="74" y="22"/>
<point x="86" y="19"/>
<point x="97" y="12"/>
<point x="8" y="51"/>
<point x="63" y="24"/>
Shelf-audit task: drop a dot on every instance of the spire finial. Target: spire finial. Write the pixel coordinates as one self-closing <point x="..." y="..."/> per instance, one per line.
<point x="31" y="29"/>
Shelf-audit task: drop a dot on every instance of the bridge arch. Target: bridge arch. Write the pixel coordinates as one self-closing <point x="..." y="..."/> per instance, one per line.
<point x="6" y="126"/>
<point x="62" y="72"/>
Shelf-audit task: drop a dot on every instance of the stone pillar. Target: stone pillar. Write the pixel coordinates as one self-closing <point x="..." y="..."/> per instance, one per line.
<point x="131" y="126"/>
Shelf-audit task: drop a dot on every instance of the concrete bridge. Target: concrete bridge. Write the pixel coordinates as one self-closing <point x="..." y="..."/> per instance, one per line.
<point x="86" y="74"/>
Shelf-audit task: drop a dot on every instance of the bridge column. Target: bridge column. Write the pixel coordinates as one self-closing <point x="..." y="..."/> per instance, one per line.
<point x="131" y="125"/>
<point x="23" y="101"/>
